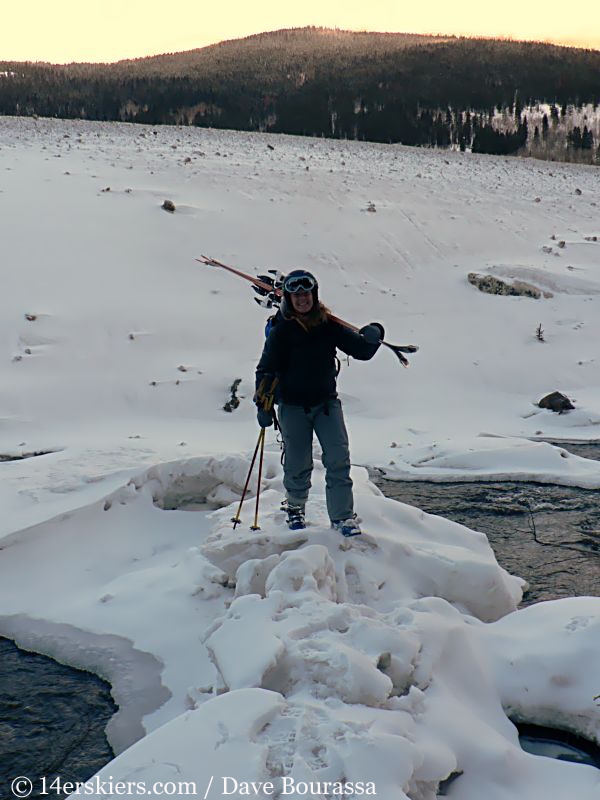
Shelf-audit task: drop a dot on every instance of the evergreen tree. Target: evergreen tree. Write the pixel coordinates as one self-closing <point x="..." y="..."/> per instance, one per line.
<point x="465" y="133"/>
<point x="574" y="137"/>
<point x="545" y="127"/>
<point x="522" y="133"/>
<point x="518" y="108"/>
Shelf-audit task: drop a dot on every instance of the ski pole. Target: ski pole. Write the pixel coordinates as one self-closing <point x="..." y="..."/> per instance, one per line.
<point x="236" y="520"/>
<point x="261" y="437"/>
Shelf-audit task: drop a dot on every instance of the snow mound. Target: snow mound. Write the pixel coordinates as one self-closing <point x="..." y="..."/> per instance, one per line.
<point x="226" y="728"/>
<point x="497" y="458"/>
<point x="404" y="553"/>
<point x="539" y="678"/>
<point x="554" y="282"/>
<point x="216" y="481"/>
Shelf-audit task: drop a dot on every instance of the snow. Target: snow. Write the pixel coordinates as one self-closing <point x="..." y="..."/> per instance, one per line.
<point x="493" y="458"/>
<point x="394" y="658"/>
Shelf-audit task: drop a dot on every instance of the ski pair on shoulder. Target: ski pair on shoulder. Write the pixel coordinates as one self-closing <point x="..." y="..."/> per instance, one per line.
<point x="270" y="290"/>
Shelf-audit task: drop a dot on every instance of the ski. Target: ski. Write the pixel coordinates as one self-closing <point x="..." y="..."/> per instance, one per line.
<point x="271" y="294"/>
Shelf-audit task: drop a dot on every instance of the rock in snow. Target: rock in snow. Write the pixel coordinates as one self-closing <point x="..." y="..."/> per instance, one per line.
<point x="556" y="401"/>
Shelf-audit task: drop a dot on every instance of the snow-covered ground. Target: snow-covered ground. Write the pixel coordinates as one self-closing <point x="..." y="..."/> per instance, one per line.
<point x="393" y="659"/>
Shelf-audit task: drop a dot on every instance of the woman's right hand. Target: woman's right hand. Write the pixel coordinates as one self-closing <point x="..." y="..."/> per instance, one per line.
<point x="265" y="418"/>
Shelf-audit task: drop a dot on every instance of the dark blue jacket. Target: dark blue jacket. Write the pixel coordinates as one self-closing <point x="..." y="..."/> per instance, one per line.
<point x="304" y="360"/>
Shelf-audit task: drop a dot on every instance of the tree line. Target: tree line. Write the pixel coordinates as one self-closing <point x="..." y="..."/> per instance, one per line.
<point x="418" y="90"/>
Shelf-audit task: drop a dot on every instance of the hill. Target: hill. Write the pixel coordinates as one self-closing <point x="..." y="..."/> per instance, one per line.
<point x="376" y="86"/>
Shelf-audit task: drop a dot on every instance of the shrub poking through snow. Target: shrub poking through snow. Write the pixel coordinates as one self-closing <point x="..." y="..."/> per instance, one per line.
<point x="234" y="400"/>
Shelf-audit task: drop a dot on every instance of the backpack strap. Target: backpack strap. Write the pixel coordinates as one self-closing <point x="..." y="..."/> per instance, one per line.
<point x="269" y="326"/>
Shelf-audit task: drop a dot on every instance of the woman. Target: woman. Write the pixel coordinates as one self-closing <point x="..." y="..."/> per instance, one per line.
<point x="300" y="351"/>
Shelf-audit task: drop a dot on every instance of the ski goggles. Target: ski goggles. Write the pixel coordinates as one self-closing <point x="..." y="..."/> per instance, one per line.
<point x="299" y="283"/>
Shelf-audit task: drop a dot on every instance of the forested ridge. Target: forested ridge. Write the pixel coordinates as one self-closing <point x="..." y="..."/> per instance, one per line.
<point x="418" y="90"/>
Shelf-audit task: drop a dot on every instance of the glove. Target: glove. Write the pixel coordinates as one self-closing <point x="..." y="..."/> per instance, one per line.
<point x="374" y="332"/>
<point x="265" y="418"/>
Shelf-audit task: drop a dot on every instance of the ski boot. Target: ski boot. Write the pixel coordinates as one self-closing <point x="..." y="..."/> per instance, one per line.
<point x="295" y="518"/>
<point x="347" y="527"/>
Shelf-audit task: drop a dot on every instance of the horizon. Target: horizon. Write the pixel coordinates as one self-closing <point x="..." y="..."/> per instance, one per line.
<point x="109" y="32"/>
<point x="490" y="37"/>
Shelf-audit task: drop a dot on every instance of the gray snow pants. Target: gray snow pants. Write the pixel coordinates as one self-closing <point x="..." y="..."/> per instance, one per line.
<point x="297" y="426"/>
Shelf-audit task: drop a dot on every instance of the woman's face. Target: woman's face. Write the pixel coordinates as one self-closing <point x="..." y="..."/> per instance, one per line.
<point x="302" y="302"/>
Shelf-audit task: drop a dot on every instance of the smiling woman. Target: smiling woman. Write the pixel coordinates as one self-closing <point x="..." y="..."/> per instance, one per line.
<point x="111" y="30"/>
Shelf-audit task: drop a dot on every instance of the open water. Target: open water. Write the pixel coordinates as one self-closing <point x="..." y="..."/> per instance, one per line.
<point x="547" y="534"/>
<point x="52" y="721"/>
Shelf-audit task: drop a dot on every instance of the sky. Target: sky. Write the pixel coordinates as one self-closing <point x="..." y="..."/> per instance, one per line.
<point x="109" y="30"/>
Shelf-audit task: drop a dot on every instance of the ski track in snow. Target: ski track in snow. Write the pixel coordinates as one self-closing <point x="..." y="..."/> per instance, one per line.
<point x="393" y="658"/>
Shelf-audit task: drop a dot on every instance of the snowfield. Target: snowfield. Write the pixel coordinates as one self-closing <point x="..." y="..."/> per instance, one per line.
<point x="248" y="660"/>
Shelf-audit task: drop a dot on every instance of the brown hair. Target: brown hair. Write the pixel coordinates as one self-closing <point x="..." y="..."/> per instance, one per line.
<point x="315" y="317"/>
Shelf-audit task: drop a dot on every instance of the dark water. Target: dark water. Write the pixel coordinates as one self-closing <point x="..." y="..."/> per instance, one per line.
<point x="549" y="535"/>
<point x="561" y="745"/>
<point x="52" y="721"/>
<point x="21" y="456"/>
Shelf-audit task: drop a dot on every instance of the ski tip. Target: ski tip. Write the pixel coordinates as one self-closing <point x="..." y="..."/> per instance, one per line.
<point x="207" y="260"/>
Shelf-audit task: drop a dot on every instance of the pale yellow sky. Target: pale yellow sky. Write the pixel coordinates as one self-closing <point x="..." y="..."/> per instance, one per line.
<point x="108" y="30"/>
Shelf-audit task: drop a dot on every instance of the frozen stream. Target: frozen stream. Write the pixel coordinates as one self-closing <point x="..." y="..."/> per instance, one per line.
<point x="547" y="534"/>
<point x="52" y="718"/>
